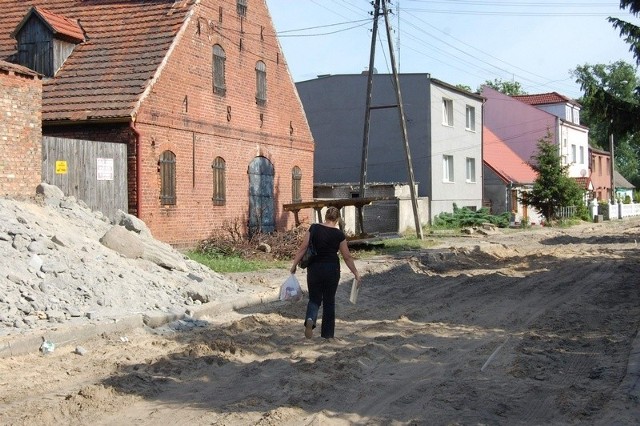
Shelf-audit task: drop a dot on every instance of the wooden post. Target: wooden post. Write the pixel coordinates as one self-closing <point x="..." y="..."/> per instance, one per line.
<point x="367" y="115"/>
<point x="611" y="168"/>
<point x="405" y="139"/>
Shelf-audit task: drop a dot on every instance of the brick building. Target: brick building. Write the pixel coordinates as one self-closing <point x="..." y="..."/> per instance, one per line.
<point x="600" y="172"/>
<point x="198" y="91"/>
<point x="20" y="130"/>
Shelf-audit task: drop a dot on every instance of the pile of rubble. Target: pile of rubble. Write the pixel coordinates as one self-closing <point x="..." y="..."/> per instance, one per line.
<point x="63" y="263"/>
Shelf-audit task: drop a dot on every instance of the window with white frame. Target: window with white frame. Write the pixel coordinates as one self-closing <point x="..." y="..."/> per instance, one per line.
<point x="471" y="170"/>
<point x="582" y="155"/>
<point x="573" y="153"/>
<point x="447" y="168"/>
<point x="471" y="118"/>
<point x="447" y="112"/>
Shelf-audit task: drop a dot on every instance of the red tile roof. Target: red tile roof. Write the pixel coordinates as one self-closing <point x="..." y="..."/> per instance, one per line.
<point x="17" y="69"/>
<point x="504" y="162"/>
<point x="583" y="182"/>
<point x="105" y="76"/>
<point x="545" y="99"/>
<point x="59" y="25"/>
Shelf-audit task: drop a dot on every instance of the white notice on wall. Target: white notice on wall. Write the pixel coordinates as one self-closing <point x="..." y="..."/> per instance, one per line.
<point x="105" y="169"/>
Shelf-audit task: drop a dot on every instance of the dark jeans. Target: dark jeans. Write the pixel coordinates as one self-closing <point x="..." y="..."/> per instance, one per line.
<point x="322" y="281"/>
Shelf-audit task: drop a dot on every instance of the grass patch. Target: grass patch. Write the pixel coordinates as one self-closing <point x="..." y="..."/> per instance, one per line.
<point x="223" y="264"/>
<point x="392" y="246"/>
<point x="567" y="222"/>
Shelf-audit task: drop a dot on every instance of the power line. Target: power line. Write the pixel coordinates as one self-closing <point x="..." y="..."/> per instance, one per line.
<point x="490" y="64"/>
<point x="555" y="14"/>
<point x="281" y="33"/>
<point x="511" y="3"/>
<point x="323" y="34"/>
<point x="457" y="49"/>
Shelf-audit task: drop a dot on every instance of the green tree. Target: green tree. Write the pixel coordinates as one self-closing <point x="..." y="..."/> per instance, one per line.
<point x="510" y="88"/>
<point x="553" y="188"/>
<point x="619" y="80"/>
<point x="621" y="113"/>
<point x="627" y="158"/>
<point x="612" y="100"/>
<point x="629" y="31"/>
<point x="464" y="87"/>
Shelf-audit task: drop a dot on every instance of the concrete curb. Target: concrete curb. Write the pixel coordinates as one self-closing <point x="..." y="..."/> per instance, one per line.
<point x="22" y="345"/>
<point x="232" y="305"/>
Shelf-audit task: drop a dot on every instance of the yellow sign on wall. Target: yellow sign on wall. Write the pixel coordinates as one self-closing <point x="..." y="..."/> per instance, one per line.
<point x="61" y="167"/>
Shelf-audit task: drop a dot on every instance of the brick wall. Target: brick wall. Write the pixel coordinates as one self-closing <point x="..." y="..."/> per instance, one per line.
<point x="182" y="114"/>
<point x="20" y="130"/>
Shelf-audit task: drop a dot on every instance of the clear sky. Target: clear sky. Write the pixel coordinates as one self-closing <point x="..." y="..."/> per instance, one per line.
<point x="465" y="42"/>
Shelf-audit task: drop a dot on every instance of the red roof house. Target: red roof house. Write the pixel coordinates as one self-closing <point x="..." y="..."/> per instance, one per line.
<point x="197" y="92"/>
<point x="551" y="98"/>
<point x="506" y="177"/>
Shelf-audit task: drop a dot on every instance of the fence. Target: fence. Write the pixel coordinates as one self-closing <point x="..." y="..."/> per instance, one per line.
<point x="566" y="212"/>
<point x="615" y="211"/>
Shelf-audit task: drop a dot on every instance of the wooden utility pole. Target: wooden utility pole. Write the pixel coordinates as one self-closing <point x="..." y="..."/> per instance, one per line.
<point x="367" y="121"/>
<point x="367" y="115"/>
<point x="611" y="168"/>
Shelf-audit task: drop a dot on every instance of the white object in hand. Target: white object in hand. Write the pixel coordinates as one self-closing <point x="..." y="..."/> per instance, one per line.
<point x="355" y="289"/>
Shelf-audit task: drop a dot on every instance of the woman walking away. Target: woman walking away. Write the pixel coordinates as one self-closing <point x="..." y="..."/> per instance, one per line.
<point x="323" y="273"/>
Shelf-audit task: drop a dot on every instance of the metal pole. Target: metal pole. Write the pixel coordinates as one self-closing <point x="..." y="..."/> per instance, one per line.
<point x="367" y="114"/>
<point x="405" y="139"/>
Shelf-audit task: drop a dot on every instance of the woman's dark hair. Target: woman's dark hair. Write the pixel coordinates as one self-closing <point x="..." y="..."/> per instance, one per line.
<point x="332" y="214"/>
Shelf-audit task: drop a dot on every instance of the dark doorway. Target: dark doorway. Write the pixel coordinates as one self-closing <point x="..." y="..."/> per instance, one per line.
<point x="261" y="203"/>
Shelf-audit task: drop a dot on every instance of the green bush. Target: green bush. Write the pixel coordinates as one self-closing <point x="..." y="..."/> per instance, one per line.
<point x="464" y="217"/>
<point x="582" y="212"/>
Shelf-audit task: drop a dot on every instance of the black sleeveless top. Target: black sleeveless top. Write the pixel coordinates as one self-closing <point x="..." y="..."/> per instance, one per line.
<point x="326" y="241"/>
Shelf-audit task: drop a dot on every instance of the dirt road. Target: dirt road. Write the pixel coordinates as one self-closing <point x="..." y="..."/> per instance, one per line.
<point x="526" y="327"/>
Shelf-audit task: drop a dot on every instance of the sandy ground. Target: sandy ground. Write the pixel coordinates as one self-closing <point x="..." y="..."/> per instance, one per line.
<point x="519" y="327"/>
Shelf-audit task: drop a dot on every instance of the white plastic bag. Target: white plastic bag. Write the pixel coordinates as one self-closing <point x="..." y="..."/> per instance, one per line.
<point x="290" y="289"/>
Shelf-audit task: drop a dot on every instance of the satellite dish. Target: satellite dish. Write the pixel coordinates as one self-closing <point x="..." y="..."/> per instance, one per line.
<point x="583" y="172"/>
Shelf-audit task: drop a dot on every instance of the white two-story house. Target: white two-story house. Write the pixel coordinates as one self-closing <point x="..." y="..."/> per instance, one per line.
<point x="573" y="138"/>
<point x="444" y="131"/>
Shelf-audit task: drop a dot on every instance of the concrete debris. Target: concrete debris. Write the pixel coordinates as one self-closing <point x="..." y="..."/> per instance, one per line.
<point x="62" y="263"/>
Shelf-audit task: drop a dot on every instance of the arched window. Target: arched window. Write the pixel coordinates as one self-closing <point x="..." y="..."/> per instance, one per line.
<point x="219" y="57"/>
<point x="219" y="191"/>
<point x="296" y="185"/>
<point x="261" y="83"/>
<point x="167" y="168"/>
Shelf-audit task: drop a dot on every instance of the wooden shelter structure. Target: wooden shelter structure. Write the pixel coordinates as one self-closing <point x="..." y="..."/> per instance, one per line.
<point x="318" y="205"/>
